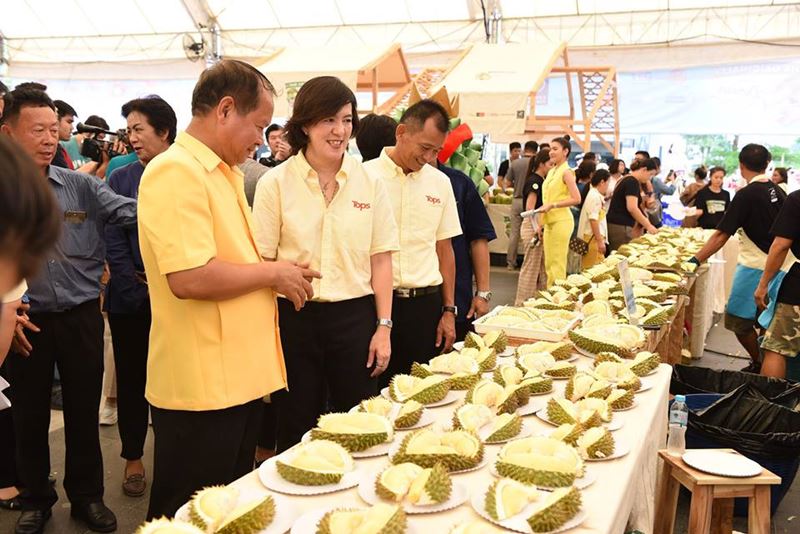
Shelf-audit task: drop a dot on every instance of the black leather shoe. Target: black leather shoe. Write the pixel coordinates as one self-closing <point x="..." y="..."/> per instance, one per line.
<point x="96" y="515"/>
<point x="10" y="504"/>
<point x="32" y="521"/>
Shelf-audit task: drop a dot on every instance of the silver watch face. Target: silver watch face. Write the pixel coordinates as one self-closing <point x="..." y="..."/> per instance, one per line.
<point x="485" y="295"/>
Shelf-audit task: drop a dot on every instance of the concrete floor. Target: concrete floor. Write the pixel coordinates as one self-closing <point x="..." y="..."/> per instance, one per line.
<point x="131" y="511"/>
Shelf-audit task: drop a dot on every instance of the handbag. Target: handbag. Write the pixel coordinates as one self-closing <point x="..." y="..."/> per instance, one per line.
<point x="579" y="246"/>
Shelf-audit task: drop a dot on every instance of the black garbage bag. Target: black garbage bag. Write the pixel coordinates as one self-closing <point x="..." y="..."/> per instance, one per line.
<point x="687" y="380"/>
<point x="746" y="421"/>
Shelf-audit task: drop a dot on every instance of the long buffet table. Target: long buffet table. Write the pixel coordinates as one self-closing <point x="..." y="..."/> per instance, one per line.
<point x="622" y="496"/>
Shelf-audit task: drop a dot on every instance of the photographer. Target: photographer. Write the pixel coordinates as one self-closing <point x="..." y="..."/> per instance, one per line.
<point x="89" y="149"/>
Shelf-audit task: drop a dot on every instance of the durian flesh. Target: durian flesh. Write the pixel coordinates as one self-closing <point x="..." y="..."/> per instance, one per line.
<point x="315" y="463"/>
<point x="542" y="461"/>
<point x="457" y="450"/>
<point x="210" y="506"/>
<point x="357" y="431"/>
<point x="506" y="498"/>
<point x="596" y="443"/>
<point x="168" y="526"/>
<point x="379" y="519"/>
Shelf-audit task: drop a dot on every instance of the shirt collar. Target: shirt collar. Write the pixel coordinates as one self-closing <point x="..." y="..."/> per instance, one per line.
<point x="388" y="163"/>
<point x="304" y="167"/>
<point x="53" y="174"/>
<point x="207" y="157"/>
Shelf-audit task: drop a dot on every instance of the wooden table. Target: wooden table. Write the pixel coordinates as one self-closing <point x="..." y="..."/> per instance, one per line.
<point x="712" y="498"/>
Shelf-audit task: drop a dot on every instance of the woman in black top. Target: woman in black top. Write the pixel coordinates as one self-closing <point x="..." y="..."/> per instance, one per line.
<point x="712" y="200"/>
<point x="626" y="214"/>
<point x="532" y="274"/>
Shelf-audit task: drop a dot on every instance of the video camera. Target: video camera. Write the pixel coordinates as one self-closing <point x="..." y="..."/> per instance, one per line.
<point x="93" y="147"/>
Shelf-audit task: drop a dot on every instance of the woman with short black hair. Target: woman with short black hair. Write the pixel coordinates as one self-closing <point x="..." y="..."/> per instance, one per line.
<point x="626" y="215"/>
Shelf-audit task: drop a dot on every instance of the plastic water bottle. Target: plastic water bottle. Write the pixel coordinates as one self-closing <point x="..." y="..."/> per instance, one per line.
<point x="678" y="419"/>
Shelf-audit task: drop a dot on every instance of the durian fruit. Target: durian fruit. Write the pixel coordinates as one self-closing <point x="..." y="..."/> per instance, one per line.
<point x="598" y="405"/>
<point x="561" y="369"/>
<point x="620" y="339"/>
<point x="597" y="307"/>
<point x="486" y="357"/>
<point x="596" y="321"/>
<point x="558" y="507"/>
<point x="379" y="519"/>
<point x="209" y="506"/>
<point x="540" y="460"/>
<point x="462" y="370"/>
<point x="630" y="381"/>
<point x="588" y="418"/>
<point x="357" y="431"/>
<point x="504" y="427"/>
<point x="507" y="375"/>
<point x="377" y="405"/>
<point x="568" y="433"/>
<point x="596" y="443"/>
<point x="420" y="370"/>
<point x="168" y="526"/>
<point x="585" y="385"/>
<point x="619" y="374"/>
<point x="457" y="450"/>
<point x="601" y="357"/>
<point x="561" y="411"/>
<point x="644" y="363"/>
<point x="506" y="498"/>
<point x="657" y="316"/>
<point x="495" y="339"/>
<point x="424" y="390"/>
<point x="688" y="267"/>
<point x="535" y="362"/>
<point x="493" y="395"/>
<point x="642" y="291"/>
<point x="537" y="384"/>
<point x="560" y="350"/>
<point x="579" y="281"/>
<point x="475" y="527"/>
<point x="620" y="399"/>
<point x="315" y="463"/>
<point x="674" y="278"/>
<point x="472" y="417"/>
<point x="409" y="415"/>
<point x="249" y="518"/>
<point x="418" y="485"/>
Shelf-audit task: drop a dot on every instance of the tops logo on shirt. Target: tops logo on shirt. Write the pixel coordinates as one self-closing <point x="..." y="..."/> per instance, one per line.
<point x="433" y="200"/>
<point x="361" y="206"/>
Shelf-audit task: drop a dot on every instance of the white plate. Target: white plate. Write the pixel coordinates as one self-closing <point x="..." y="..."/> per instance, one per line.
<point x="615" y="423"/>
<point x="458" y="496"/>
<point x="529" y="409"/>
<point x="506" y="353"/>
<point x="285" y="513"/>
<point x="372" y="452"/>
<point x="396" y="447"/>
<point x="726" y="464"/>
<point x="458" y="345"/>
<point x="452" y="396"/>
<point x="307" y="523"/>
<point x="583" y="482"/>
<point x="646" y="384"/>
<point x="620" y="450"/>
<point x="517" y="523"/>
<point x="268" y="474"/>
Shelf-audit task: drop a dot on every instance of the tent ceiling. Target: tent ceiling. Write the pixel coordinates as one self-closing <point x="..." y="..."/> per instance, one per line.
<point x="137" y="30"/>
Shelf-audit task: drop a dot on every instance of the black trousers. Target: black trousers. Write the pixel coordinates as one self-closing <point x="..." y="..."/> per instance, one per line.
<point x="413" y="333"/>
<point x="72" y="340"/>
<point x="130" y="336"/>
<point x="8" y="462"/>
<point x="325" y="346"/>
<point x="462" y="328"/>
<point x="198" y="449"/>
<point x="268" y="435"/>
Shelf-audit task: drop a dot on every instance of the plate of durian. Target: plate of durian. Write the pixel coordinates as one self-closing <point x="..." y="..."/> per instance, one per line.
<point x="490" y="427"/>
<point x="363" y="434"/>
<point x="311" y="468"/>
<point x="598" y="445"/>
<point x="432" y="391"/>
<point x="379" y="518"/>
<point x="406" y="416"/>
<point x="522" y="508"/>
<point x="459" y="451"/>
<point x="588" y="412"/>
<point x="225" y="509"/>
<point x="419" y="490"/>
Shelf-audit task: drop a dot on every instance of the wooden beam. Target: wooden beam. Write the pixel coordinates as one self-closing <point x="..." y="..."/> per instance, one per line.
<point x="600" y="97"/>
<point x="569" y="87"/>
<point x="562" y="70"/>
<point x="375" y="88"/>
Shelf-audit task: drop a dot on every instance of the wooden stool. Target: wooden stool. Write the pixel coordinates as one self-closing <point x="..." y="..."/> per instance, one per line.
<point x="712" y="498"/>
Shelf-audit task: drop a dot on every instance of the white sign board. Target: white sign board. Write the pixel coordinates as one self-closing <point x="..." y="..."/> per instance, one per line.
<point x="627" y="291"/>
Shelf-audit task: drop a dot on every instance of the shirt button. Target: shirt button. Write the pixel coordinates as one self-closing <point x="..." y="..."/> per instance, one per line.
<point x="51" y="262"/>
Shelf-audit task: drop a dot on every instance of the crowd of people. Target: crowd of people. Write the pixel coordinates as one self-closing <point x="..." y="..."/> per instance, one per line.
<point x="244" y="298"/>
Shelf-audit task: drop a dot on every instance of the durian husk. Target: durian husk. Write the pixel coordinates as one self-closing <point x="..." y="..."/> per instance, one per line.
<point x="562" y="372"/>
<point x="565" y="506"/>
<point x="510" y="430"/>
<point x="557" y="415"/>
<point x="408" y="419"/>
<point x="604" y="356"/>
<point x="351" y="442"/>
<point x="538" y="477"/>
<point x="624" y="402"/>
<point x="250" y="518"/>
<point x="461" y="381"/>
<point x="452" y="461"/>
<point x="419" y="371"/>
<point x="395" y="524"/>
<point x="306" y="478"/>
<point x="601" y="448"/>
<point x="571" y="437"/>
<point x="633" y="383"/>
<point x="538" y="385"/>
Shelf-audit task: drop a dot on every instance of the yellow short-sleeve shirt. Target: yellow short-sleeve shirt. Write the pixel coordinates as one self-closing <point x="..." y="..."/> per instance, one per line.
<point x="424" y="208"/>
<point x="293" y="223"/>
<point x="204" y="355"/>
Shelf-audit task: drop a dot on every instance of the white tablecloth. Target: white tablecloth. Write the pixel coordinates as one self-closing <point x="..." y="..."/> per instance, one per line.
<point x="623" y="493"/>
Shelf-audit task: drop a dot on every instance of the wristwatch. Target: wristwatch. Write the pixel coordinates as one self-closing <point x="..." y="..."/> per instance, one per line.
<point x="385" y="322"/>
<point x="485" y="295"/>
<point x="453" y="309"/>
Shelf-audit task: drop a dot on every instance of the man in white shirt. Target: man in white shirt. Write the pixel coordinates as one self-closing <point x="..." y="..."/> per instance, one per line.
<point x="423" y="307"/>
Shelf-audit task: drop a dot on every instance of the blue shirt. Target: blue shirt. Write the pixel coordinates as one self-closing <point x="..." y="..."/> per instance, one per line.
<point x="120" y="161"/>
<point x="660" y="188"/>
<point x="71" y="273"/>
<point x="125" y="293"/>
<point x="475" y="224"/>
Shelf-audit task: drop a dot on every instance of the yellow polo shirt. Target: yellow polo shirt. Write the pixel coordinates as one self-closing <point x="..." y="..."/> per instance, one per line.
<point x="292" y="222"/>
<point x="425" y="210"/>
<point x="204" y="355"/>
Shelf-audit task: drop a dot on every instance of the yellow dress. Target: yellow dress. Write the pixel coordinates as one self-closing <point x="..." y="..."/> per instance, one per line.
<point x="558" y="225"/>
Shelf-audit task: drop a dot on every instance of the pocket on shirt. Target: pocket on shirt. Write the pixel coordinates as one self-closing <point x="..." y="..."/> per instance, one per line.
<point x="79" y="239"/>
